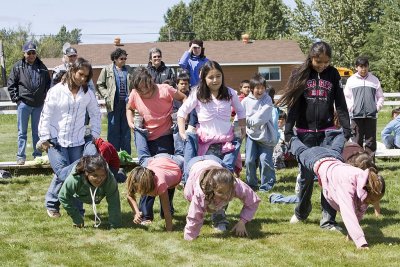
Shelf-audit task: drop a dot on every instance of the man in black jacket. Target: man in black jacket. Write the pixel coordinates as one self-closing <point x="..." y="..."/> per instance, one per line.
<point x="157" y="68"/>
<point x="28" y="84"/>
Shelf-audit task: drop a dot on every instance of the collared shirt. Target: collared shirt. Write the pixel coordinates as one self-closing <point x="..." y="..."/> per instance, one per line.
<point x="63" y="116"/>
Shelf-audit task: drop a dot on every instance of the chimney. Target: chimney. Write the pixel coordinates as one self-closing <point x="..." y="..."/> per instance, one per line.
<point x="117" y="41"/>
<point x="245" y="38"/>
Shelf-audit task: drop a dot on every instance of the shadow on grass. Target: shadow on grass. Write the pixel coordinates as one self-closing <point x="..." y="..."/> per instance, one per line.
<point x="378" y="237"/>
<point x="14" y="181"/>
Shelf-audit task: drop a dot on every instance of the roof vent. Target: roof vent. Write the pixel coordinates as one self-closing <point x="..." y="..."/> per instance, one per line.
<point x="117" y="41"/>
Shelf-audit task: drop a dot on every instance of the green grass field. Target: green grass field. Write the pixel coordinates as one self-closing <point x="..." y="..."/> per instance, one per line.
<point x="28" y="237"/>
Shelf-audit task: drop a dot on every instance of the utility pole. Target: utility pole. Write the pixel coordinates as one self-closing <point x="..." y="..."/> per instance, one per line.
<point x="2" y="65"/>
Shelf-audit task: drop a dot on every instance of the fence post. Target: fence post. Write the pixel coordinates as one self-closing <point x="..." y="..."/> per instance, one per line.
<point x="3" y="65"/>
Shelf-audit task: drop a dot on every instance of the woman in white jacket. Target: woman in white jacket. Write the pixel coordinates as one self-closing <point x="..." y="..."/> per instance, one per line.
<point x="62" y="125"/>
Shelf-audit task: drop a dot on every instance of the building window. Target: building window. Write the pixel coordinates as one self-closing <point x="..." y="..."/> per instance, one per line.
<point x="270" y="73"/>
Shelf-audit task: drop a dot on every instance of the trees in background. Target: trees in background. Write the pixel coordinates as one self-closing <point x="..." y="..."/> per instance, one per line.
<point x="49" y="46"/>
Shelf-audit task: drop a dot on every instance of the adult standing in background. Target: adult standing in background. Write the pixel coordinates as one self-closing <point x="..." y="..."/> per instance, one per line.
<point x="114" y="85"/>
<point x="192" y="61"/>
<point x="28" y="84"/>
<point x="157" y="68"/>
<point x="70" y="54"/>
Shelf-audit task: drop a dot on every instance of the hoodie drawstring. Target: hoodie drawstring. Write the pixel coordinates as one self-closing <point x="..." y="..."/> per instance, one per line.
<point x="96" y="217"/>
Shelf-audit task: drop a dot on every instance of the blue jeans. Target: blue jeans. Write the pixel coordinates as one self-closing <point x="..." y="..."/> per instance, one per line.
<point x="23" y="113"/>
<point x="146" y="149"/>
<point x="60" y="158"/>
<point x="259" y="155"/>
<point x="303" y="208"/>
<point x="281" y="199"/>
<point x="118" y="131"/>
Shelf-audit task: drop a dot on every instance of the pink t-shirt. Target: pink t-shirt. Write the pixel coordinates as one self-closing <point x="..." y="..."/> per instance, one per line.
<point x="167" y="174"/>
<point x="156" y="111"/>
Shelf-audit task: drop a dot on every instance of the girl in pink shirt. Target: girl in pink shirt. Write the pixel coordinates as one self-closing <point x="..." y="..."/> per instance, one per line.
<point x="210" y="187"/>
<point x="153" y="103"/>
<point x="347" y="189"/>
<point x="212" y="101"/>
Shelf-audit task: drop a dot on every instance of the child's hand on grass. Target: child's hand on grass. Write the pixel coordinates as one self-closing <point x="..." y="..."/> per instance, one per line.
<point x="240" y="229"/>
<point x="137" y="219"/>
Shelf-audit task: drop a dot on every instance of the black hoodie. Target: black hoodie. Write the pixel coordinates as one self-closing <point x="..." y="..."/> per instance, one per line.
<point x="314" y="110"/>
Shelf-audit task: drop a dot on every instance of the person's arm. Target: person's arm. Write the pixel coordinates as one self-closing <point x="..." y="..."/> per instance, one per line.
<point x="113" y="201"/>
<point x="179" y="96"/>
<point x="292" y="116"/>
<point x="388" y="130"/>
<point x="49" y="107"/>
<point x="261" y="117"/>
<point x="348" y="95"/>
<point x="341" y="109"/>
<point x="67" y="199"/>
<point x="249" y="199"/>
<point x="347" y="197"/>
<point x="94" y="114"/>
<point x="12" y="84"/>
<point x="167" y="212"/>
<point x="194" y="218"/>
<point x="240" y="112"/>
<point x="183" y="111"/>
<point x="379" y="97"/>
<point x="101" y="84"/>
<point x="130" y="111"/>
<point x="137" y="218"/>
<point x="184" y="60"/>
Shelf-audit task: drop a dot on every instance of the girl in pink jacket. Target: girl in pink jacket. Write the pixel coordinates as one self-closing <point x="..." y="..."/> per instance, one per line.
<point x="347" y="189"/>
<point x="210" y="187"/>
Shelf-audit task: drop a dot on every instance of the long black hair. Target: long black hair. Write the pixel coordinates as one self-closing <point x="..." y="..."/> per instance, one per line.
<point x="297" y="81"/>
<point x="203" y="92"/>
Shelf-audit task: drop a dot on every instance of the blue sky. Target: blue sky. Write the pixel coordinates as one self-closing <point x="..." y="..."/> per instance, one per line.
<point x="100" y="20"/>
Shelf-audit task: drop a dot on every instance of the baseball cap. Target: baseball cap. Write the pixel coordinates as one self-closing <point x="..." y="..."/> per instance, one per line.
<point x="29" y="46"/>
<point x="70" y="51"/>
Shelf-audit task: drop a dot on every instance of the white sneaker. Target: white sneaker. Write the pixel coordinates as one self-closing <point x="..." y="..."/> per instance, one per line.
<point x="220" y="227"/>
<point x="294" y="219"/>
<point x="336" y="228"/>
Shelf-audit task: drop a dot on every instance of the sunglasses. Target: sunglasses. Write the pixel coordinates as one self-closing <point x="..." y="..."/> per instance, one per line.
<point x="156" y="56"/>
<point x="31" y="53"/>
<point x="122" y="58"/>
<point x="73" y="56"/>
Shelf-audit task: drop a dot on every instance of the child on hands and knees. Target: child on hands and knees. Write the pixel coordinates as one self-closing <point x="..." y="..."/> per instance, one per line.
<point x="210" y="187"/>
<point x="157" y="176"/>
<point x="89" y="181"/>
<point x="347" y="189"/>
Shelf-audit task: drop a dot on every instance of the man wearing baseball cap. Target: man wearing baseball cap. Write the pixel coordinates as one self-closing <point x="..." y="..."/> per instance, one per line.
<point x="69" y="58"/>
<point x="28" y="84"/>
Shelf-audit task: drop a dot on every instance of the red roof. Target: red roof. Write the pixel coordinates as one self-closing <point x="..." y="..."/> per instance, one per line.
<point x="259" y="52"/>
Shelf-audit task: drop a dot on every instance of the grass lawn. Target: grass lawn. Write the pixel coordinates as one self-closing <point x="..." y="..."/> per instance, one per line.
<point x="28" y="237"/>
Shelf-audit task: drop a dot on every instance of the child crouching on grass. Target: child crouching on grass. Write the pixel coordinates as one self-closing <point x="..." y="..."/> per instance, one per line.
<point x="89" y="181"/>
<point x="210" y="187"/>
<point x="347" y="189"/>
<point x="157" y="176"/>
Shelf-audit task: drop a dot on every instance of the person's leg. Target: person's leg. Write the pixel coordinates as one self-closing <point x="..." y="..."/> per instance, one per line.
<point x="328" y="219"/>
<point x="357" y="136"/>
<point x="113" y="135"/>
<point x="230" y="158"/>
<point x="179" y="143"/>
<point x="251" y="163"/>
<point x="370" y="135"/>
<point x="23" y="113"/>
<point x="163" y="144"/>
<point x="146" y="204"/>
<point x="276" y="198"/>
<point x="191" y="148"/>
<point x="35" y="117"/>
<point x="142" y="147"/>
<point x="219" y="220"/>
<point x="267" y="168"/>
<point x="389" y="142"/>
<point x="125" y="130"/>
